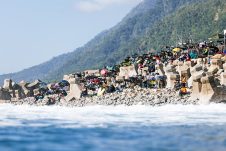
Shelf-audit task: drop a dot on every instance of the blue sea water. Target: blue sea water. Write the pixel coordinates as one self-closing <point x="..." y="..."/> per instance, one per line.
<point x="99" y="128"/>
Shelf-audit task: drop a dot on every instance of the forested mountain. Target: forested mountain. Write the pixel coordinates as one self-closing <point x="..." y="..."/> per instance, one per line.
<point x="152" y="24"/>
<point x="192" y="21"/>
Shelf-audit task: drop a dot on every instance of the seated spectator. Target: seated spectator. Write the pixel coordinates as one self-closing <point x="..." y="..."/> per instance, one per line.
<point x="183" y="91"/>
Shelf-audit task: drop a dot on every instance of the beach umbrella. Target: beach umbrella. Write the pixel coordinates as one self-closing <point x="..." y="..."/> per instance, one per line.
<point x="103" y="72"/>
<point x="64" y="83"/>
<point x="176" y="49"/>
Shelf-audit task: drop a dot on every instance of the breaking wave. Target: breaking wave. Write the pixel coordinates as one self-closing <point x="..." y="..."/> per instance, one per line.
<point x="105" y="116"/>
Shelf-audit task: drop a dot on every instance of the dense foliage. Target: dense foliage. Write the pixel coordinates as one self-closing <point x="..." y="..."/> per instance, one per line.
<point x="191" y="22"/>
<point x="152" y="24"/>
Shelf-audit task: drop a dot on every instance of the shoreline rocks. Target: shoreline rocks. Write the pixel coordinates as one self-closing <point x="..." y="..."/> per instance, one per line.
<point x="196" y="81"/>
<point x="128" y="97"/>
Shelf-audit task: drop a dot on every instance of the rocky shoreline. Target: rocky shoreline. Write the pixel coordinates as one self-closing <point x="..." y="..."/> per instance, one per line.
<point x="129" y="97"/>
<point x="194" y="81"/>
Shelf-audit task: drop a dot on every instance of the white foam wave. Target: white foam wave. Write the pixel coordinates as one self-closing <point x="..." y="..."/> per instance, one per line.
<point x="102" y="116"/>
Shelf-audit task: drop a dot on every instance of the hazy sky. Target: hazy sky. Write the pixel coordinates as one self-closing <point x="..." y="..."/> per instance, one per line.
<point x="34" y="31"/>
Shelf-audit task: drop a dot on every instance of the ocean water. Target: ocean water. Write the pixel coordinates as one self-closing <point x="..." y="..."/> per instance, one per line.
<point x="99" y="128"/>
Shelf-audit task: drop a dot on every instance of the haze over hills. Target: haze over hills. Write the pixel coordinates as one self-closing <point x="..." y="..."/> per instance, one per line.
<point x="151" y="24"/>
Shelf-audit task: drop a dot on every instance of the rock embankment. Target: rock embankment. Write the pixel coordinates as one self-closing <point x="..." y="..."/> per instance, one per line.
<point x="151" y="84"/>
<point x="128" y="97"/>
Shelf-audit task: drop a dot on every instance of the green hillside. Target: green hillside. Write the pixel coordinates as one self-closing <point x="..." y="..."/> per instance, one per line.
<point x="124" y="39"/>
<point x="196" y="22"/>
<point x="152" y="24"/>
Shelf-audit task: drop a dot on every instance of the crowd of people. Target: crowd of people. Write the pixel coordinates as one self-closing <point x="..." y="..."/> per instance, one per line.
<point x="107" y="81"/>
<point x="61" y="89"/>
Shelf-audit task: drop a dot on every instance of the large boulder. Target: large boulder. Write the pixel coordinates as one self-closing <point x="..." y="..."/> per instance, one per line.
<point x="217" y="63"/>
<point x="223" y="59"/>
<point x="223" y="78"/>
<point x="196" y="89"/>
<point x="19" y="94"/>
<point x="75" y="92"/>
<point x="201" y="61"/>
<point x="196" y="73"/>
<point x="191" y="63"/>
<point x="74" y="80"/>
<point x="195" y="69"/>
<point x="213" y="70"/>
<point x="7" y="84"/>
<point x="184" y="71"/>
<point x="128" y="71"/>
<point x="4" y="94"/>
<point x="175" y="62"/>
<point x="224" y="66"/>
<point x="18" y="91"/>
<point x="66" y="77"/>
<point x="119" y="79"/>
<point x="26" y="91"/>
<point x="170" y="68"/>
<point x="207" y="90"/>
<point x="172" y="76"/>
<point x="217" y="56"/>
<point x="180" y="63"/>
<point x="223" y="75"/>
<point x="160" y="69"/>
<point x="36" y="91"/>
<point x="92" y="72"/>
<point x="34" y="85"/>
<point x="171" y="80"/>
